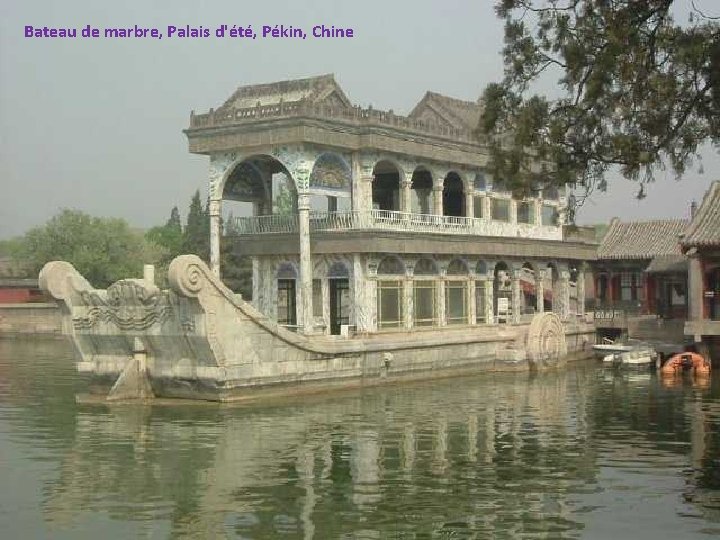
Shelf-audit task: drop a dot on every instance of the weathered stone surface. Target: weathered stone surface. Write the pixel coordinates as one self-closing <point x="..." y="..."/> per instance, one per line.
<point x="204" y="342"/>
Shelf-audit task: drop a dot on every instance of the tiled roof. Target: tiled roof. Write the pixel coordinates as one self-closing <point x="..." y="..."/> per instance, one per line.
<point x="642" y="240"/>
<point x="458" y="113"/>
<point x="314" y="89"/>
<point x="663" y="264"/>
<point x="704" y="230"/>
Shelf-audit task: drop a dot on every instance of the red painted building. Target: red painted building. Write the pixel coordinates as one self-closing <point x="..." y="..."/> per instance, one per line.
<point x="640" y="275"/>
<point x="20" y="290"/>
<point x="701" y="244"/>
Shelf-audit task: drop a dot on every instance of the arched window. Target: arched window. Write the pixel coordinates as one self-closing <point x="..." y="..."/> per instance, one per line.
<point x="453" y="196"/>
<point x="390" y="312"/>
<point x="421" y="186"/>
<point x="424" y="293"/>
<point x="456" y="293"/>
<point x="386" y="187"/>
<point x="286" y="295"/>
<point x="338" y="270"/>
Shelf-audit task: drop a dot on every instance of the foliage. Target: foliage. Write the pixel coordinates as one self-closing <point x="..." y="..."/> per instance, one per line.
<point x="169" y="236"/>
<point x="640" y="92"/>
<point x="284" y="203"/>
<point x="103" y="250"/>
<point x="196" y="237"/>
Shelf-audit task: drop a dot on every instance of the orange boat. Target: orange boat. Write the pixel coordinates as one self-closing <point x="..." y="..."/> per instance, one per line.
<point x="693" y="361"/>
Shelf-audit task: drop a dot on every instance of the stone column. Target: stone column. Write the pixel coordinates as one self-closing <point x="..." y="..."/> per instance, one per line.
<point x="360" y="307"/>
<point x="469" y="202"/>
<point x="695" y="288"/>
<point x="357" y="184"/>
<point x="517" y="302"/>
<point x="408" y="303"/>
<point x="513" y="211"/>
<point x="440" y="303"/>
<point x="406" y="200"/>
<point x="581" y="294"/>
<point x="540" y="290"/>
<point x="256" y="282"/>
<point x="325" y="299"/>
<point x="563" y="299"/>
<point x="437" y="200"/>
<point x="472" y="308"/>
<point x="306" y="320"/>
<point x="489" y="302"/>
<point x="487" y="211"/>
<point x="215" y="209"/>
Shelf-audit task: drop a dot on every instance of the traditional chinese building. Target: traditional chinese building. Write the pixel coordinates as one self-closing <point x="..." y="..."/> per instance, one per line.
<point x="640" y="271"/>
<point x="374" y="221"/>
<point x="701" y="244"/>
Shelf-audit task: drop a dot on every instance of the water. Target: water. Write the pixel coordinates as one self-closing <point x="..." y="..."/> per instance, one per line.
<point x="584" y="453"/>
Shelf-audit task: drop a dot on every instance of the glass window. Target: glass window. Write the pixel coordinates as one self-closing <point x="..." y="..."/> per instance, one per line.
<point x="317" y="298"/>
<point x="389" y="304"/>
<point x="456" y="302"/>
<point x="501" y="209"/>
<point x="424" y="303"/>
<point x="549" y="214"/>
<point x="526" y="212"/>
<point x="631" y="286"/>
<point x="479" y="182"/>
<point x="479" y="207"/>
<point x="391" y="266"/>
<point x="286" y="313"/>
<point x="480" y="311"/>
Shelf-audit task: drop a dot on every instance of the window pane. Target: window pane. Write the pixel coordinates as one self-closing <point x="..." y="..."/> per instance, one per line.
<point x="480" y="302"/>
<point x="525" y="212"/>
<point x="549" y="215"/>
<point x="455" y="304"/>
<point x="317" y="298"/>
<point x="501" y="209"/>
<point x="389" y="298"/>
<point x="478" y="207"/>
<point x="424" y="303"/>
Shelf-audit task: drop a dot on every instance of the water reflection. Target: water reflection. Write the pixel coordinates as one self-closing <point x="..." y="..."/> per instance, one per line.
<point x="558" y="455"/>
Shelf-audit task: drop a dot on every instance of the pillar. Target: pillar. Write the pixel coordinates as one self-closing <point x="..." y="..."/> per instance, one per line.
<point x="563" y="310"/>
<point x="516" y="296"/>
<point x="406" y="200"/>
<point x="695" y="288"/>
<point x="437" y="200"/>
<point x="306" y="320"/>
<point x="408" y="305"/>
<point x="581" y="294"/>
<point x="540" y="291"/>
<point x="469" y="201"/>
<point x="487" y="210"/>
<point x="215" y="209"/>
<point x="440" y="303"/>
<point x="489" y="301"/>
<point x="513" y="211"/>
<point x="360" y="297"/>
<point x="472" y="308"/>
<point x="256" y="283"/>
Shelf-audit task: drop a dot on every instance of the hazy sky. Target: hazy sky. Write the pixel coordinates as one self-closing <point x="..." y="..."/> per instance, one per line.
<point x="95" y="124"/>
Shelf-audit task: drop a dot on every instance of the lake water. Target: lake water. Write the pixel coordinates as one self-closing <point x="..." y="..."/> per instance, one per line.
<point x="582" y="453"/>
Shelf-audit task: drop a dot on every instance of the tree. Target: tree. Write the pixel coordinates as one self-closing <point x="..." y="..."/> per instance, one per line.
<point x="196" y="237"/>
<point x="169" y="236"/>
<point x="103" y="250"/>
<point x="640" y="92"/>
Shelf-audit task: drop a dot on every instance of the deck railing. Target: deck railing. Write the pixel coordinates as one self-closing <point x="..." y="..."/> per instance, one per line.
<point x="393" y="221"/>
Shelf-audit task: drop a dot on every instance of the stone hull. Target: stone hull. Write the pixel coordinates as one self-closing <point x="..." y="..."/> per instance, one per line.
<point x="198" y="340"/>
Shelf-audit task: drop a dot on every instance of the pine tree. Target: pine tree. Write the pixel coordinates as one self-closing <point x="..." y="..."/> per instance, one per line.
<point x="196" y="237"/>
